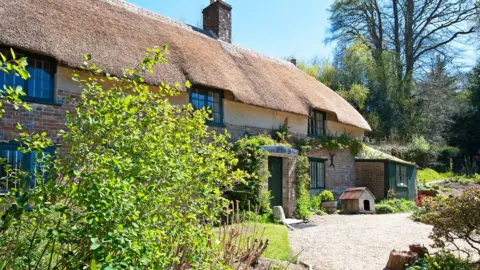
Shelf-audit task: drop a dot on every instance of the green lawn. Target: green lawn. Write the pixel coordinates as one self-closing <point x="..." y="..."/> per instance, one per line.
<point x="279" y="246"/>
<point x="430" y="175"/>
<point x="277" y="235"/>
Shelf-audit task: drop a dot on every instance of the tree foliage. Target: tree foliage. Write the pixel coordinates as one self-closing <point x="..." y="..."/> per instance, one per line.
<point x="139" y="184"/>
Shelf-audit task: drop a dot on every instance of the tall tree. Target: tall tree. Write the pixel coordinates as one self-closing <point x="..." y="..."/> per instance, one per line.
<point x="400" y="35"/>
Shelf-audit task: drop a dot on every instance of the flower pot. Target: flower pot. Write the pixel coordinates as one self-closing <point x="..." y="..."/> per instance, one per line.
<point x="330" y="207"/>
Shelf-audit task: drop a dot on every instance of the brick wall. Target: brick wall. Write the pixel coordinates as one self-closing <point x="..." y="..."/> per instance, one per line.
<point x="340" y="176"/>
<point x="42" y="117"/>
<point x="289" y="178"/>
<point x="372" y="176"/>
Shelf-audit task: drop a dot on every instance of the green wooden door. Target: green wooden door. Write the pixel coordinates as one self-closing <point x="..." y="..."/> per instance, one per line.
<point x="275" y="180"/>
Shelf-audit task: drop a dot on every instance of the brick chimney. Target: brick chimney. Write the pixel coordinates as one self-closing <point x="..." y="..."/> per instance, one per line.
<point x="217" y="17"/>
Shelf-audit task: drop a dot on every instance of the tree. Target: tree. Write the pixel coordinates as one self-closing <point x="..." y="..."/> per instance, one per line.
<point x="139" y="185"/>
<point x="464" y="132"/>
<point x="401" y="36"/>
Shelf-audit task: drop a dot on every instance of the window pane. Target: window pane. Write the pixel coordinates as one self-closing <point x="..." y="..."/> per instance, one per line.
<point x="13" y="159"/>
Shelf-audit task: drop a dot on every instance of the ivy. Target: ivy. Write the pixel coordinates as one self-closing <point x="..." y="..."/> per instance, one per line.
<point x="254" y="161"/>
<point x="302" y="184"/>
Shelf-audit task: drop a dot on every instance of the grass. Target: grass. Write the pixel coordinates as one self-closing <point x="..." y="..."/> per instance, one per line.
<point x="429" y="175"/>
<point x="279" y="246"/>
<point x="277" y="235"/>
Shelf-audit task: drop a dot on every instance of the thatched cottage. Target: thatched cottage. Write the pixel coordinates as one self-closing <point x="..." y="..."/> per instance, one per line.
<point x="248" y="92"/>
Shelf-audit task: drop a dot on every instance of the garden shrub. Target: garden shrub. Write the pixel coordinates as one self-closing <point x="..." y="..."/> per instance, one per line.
<point x="326" y="196"/>
<point x="302" y="184"/>
<point x="254" y="161"/>
<point x="395" y="206"/>
<point x="315" y="205"/>
<point x="138" y="187"/>
<point x="384" y="209"/>
<point x="445" y="155"/>
<point x="442" y="260"/>
<point x="457" y="218"/>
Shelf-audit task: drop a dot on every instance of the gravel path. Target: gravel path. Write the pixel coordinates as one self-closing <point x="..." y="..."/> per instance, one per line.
<point x="355" y="241"/>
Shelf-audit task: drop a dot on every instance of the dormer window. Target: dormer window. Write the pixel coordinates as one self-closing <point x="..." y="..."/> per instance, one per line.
<point x="316" y="123"/>
<point x="40" y="87"/>
<point x="210" y="99"/>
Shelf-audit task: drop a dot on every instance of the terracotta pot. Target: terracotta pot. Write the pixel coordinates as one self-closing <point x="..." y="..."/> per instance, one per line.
<point x="330" y="207"/>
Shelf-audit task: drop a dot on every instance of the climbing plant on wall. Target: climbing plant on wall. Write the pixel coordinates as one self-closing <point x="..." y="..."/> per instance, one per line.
<point x="302" y="184"/>
<point x="253" y="160"/>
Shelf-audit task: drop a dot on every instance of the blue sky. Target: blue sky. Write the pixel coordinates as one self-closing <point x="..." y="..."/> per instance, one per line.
<point x="277" y="28"/>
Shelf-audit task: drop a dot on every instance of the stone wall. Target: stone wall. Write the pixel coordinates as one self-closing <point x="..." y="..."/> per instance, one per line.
<point x="339" y="176"/>
<point x="372" y="176"/>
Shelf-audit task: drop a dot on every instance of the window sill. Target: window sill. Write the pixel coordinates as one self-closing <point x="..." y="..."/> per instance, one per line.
<point x="402" y="186"/>
<point x="44" y="102"/>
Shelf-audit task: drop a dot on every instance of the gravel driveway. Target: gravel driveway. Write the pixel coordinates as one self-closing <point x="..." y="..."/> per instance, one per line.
<point x="355" y="241"/>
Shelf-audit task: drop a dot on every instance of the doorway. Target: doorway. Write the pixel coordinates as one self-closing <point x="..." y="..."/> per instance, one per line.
<point x="275" y="182"/>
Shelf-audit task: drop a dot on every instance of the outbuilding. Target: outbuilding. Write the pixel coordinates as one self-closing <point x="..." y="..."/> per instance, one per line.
<point x="358" y="200"/>
<point x="382" y="173"/>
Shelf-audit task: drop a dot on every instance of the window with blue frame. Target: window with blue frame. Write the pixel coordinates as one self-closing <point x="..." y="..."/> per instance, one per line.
<point x="40" y="87"/>
<point x="12" y="158"/>
<point x="210" y="99"/>
<point x="316" y="123"/>
<point x="317" y="173"/>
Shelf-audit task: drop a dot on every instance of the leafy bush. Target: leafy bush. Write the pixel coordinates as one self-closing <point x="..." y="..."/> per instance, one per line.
<point x="395" y="206"/>
<point x="326" y="196"/>
<point x="457" y="218"/>
<point x="442" y="260"/>
<point x="445" y="155"/>
<point x="139" y="185"/>
<point x="315" y="205"/>
<point x="384" y="209"/>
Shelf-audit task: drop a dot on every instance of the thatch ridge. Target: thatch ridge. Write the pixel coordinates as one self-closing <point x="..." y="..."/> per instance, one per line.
<point x="116" y="34"/>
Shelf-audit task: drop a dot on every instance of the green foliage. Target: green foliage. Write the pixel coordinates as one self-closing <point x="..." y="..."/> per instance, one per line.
<point x="442" y="260"/>
<point x="357" y="95"/>
<point x="302" y="184"/>
<point x="336" y="143"/>
<point x="457" y="218"/>
<point x="391" y="194"/>
<point x="253" y="161"/>
<point x="139" y="185"/>
<point x="469" y="168"/>
<point x="395" y="206"/>
<point x="445" y="156"/>
<point x="326" y="196"/>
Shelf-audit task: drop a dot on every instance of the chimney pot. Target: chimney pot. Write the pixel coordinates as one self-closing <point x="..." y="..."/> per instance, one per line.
<point x="294" y="61"/>
<point x="217" y="18"/>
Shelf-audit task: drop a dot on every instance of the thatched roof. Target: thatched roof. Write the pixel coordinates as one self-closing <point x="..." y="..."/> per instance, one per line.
<point x="116" y="34"/>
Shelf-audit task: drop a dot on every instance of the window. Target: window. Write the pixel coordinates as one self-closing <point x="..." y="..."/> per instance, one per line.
<point x="211" y="99"/>
<point x="316" y="123"/>
<point x="14" y="159"/>
<point x="40" y="87"/>
<point x="317" y="173"/>
<point x="402" y="179"/>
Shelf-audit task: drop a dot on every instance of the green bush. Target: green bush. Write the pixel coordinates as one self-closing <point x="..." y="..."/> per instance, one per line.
<point x="138" y="187"/>
<point x="442" y="260"/>
<point x="384" y="209"/>
<point x="326" y="196"/>
<point x="395" y="206"/>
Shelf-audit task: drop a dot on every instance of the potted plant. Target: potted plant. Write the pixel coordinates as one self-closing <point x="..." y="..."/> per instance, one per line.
<point x="328" y="201"/>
